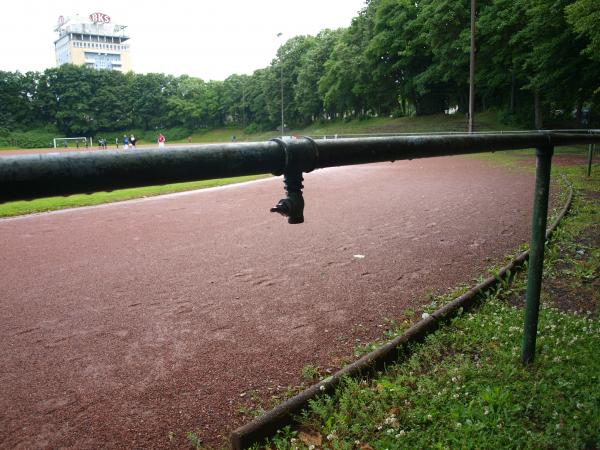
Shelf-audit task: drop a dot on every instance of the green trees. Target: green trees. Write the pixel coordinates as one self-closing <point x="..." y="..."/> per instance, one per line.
<point x="15" y="106"/>
<point x="584" y="17"/>
<point x="308" y="99"/>
<point x="347" y="85"/>
<point x="538" y="60"/>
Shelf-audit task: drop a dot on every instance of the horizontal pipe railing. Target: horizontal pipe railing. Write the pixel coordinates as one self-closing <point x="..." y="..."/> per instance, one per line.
<point x="434" y="133"/>
<point x="43" y="175"/>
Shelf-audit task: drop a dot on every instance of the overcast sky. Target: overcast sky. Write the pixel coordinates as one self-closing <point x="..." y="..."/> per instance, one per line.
<point x="207" y="39"/>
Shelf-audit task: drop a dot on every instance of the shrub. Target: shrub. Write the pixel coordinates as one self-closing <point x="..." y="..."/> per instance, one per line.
<point x="36" y="138"/>
<point x="251" y="129"/>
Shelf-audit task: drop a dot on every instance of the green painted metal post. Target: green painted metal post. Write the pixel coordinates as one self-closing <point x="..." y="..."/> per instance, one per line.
<point x="590" y="153"/>
<point x="536" y="253"/>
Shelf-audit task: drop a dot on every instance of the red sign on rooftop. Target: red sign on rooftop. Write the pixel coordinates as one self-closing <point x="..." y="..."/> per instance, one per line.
<point x="99" y="17"/>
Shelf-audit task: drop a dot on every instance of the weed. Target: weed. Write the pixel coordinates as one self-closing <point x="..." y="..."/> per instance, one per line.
<point x="251" y="411"/>
<point x="194" y="439"/>
<point x="363" y="349"/>
<point x="310" y="372"/>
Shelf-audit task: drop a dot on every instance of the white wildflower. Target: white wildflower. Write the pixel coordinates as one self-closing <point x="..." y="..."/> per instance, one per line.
<point x="392" y="421"/>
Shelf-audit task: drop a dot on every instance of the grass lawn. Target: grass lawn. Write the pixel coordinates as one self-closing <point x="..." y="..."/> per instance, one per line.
<point x="465" y="387"/>
<point x="53" y="203"/>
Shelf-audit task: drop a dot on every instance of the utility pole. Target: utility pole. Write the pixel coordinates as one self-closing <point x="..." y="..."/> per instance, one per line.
<point x="281" y="76"/>
<point x="472" y="70"/>
<point x="244" y="104"/>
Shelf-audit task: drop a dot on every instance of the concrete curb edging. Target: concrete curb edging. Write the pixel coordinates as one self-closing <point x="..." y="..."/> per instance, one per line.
<point x="266" y="425"/>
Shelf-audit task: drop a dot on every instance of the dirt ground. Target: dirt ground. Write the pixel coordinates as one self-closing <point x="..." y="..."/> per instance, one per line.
<point x="129" y="325"/>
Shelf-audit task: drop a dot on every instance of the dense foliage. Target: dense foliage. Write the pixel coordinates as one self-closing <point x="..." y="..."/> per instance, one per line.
<point x="536" y="58"/>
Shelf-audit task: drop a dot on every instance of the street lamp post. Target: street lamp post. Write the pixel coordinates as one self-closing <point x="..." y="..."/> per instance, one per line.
<point x="472" y="70"/>
<point x="281" y="78"/>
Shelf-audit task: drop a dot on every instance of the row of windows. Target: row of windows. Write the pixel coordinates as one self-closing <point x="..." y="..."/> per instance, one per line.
<point x="95" y="38"/>
<point x="102" y="61"/>
<point x="100" y="46"/>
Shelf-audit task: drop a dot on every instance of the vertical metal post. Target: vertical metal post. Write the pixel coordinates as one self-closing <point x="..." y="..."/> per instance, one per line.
<point x="590" y="153"/>
<point x="472" y="71"/>
<point x="536" y="251"/>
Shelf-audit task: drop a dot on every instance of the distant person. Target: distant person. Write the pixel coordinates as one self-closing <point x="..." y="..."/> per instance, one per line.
<point x="132" y="141"/>
<point x="125" y="142"/>
<point x="189" y="139"/>
<point x="161" y="140"/>
<point x="117" y="142"/>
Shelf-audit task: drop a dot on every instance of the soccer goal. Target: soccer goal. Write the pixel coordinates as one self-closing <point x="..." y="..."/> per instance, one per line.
<point x="72" y="142"/>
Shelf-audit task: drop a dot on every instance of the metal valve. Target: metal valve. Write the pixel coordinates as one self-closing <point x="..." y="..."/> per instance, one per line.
<point x="292" y="206"/>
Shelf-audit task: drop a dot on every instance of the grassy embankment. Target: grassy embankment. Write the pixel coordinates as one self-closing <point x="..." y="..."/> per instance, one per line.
<point x="464" y="387"/>
<point x="487" y="121"/>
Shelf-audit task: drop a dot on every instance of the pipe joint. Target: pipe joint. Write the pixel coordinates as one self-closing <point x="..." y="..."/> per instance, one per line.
<point x="300" y="155"/>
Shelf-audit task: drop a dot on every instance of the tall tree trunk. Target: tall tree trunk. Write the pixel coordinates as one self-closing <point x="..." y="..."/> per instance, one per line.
<point x="537" y="110"/>
<point x="578" y="112"/>
<point x="513" y="88"/>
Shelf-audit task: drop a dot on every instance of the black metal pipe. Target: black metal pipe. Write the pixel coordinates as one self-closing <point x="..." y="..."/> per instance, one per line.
<point x="44" y="175"/>
<point x="33" y="176"/>
<point x="359" y="151"/>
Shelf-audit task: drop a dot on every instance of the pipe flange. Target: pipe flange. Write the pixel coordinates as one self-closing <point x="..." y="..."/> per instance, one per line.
<point x="286" y="152"/>
<point x="288" y="155"/>
<point x="315" y="152"/>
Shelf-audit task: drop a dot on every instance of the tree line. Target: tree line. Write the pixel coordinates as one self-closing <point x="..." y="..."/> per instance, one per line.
<point x="536" y="60"/>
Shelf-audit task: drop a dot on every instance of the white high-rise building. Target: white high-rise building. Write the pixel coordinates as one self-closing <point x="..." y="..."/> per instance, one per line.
<point x="93" y="42"/>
